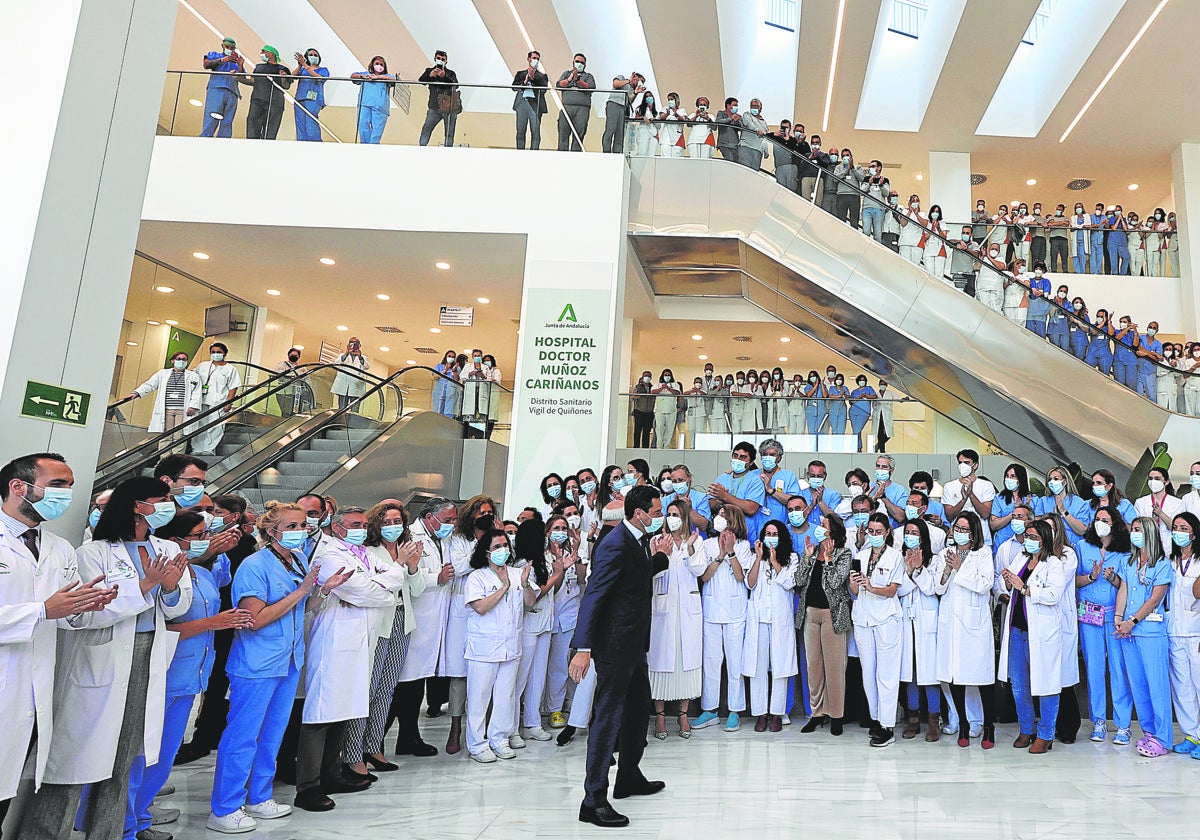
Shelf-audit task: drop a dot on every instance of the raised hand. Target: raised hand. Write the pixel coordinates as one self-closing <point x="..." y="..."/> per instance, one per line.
<point x="409" y="555"/>
<point x="337" y="579"/>
<point x="78" y="597"/>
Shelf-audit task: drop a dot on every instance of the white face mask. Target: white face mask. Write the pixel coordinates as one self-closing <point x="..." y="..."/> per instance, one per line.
<point x="719" y="523"/>
<point x="265" y="58"/>
<point x="1103" y="529"/>
<point x="579" y="66"/>
<point x="674" y="523"/>
<point x="1156" y="485"/>
<point x="964" y="470"/>
<point x="378" y="69"/>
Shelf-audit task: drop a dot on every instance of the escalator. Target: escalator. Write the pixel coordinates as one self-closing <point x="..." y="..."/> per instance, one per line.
<point x="714" y="228"/>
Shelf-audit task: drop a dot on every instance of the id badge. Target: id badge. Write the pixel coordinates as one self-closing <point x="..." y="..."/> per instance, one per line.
<point x="1155" y="617"/>
<point x="122" y="569"/>
<point x="311" y="95"/>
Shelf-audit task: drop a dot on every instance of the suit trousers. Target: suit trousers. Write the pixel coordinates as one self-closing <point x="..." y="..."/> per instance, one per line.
<point x="528" y="121"/>
<point x="826" y="659"/>
<point x="621" y="708"/>
<point x="319" y="757"/>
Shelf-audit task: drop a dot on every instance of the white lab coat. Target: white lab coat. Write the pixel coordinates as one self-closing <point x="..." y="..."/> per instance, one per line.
<point x="431" y="608"/>
<point x="1172" y="506"/>
<point x="452" y="662"/>
<point x="92" y="673"/>
<point x="345" y="384"/>
<point x="1046" y="586"/>
<point x="771" y="603"/>
<point x="1069" y="620"/>
<point x="27" y="649"/>
<point x="677" y="612"/>
<point x="920" y="603"/>
<point x="966" y="648"/>
<point x="411" y="588"/>
<point x="157" y="384"/>
<point x="340" y="648"/>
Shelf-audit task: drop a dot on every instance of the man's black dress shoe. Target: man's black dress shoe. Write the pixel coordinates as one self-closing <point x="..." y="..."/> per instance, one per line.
<point x="645" y="788"/>
<point x="417" y="748"/>
<point x="603" y="816"/>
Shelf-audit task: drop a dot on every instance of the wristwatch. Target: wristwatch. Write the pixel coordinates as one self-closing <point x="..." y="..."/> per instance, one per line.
<point x="1135" y="619"/>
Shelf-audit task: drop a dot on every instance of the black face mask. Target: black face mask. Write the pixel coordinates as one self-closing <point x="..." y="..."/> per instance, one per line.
<point x="293" y="359"/>
<point x="485" y="522"/>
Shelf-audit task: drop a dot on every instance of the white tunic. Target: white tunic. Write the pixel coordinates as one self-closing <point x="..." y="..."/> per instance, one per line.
<point x="771" y="604"/>
<point x="1172" y="506"/>
<point x="984" y="490"/>
<point x="677" y="613"/>
<point x="157" y="384"/>
<point x="539" y="617"/>
<point x="216" y="381"/>
<point x="1183" y="617"/>
<point x="1046" y="584"/>
<point x="871" y="610"/>
<point x="723" y="597"/>
<point x="495" y="636"/>
<point x="966" y="648"/>
<point x="431" y="608"/>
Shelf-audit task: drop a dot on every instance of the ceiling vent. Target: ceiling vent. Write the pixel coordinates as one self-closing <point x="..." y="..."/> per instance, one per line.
<point x="978" y="178"/>
<point x="742" y="358"/>
<point x="389" y="329"/>
<point x="1079" y="184"/>
<point x="428" y="351"/>
<point x="743" y="338"/>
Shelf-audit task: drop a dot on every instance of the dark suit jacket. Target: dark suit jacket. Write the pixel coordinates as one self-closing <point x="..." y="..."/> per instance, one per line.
<point x="614" y="613"/>
<point x="541" y="83"/>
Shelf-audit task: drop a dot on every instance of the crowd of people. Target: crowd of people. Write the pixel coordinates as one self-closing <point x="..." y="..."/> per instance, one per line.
<point x="665" y="416"/>
<point x="762" y="575"/>
<point x="476" y="394"/>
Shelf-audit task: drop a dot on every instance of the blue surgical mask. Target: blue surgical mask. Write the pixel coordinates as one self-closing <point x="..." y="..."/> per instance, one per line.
<point x="1032" y="547"/>
<point x="771" y="542"/>
<point x="796" y="518"/>
<point x="754" y="112"/>
<point x="313" y="522"/>
<point x="325" y="522"/>
<point x="680" y="487"/>
<point x="444" y="530"/>
<point x="769" y="462"/>
<point x="876" y="540"/>
<point x="1011" y="485"/>
<point x="554" y="491"/>
<point x="499" y="556"/>
<point x="1099" y="491"/>
<point x="739" y="467"/>
<point x="630" y="479"/>
<point x="656" y="523"/>
<point x="190" y="495"/>
<point x="820" y="533"/>
<point x="816" y="482"/>
<point x="355" y="536"/>
<point x="217" y="523"/>
<point x="54" y="501"/>
<point x="882" y="475"/>
<point x="1138" y="539"/>
<point x="164" y="512"/>
<point x="197" y="548"/>
<point x="292" y="540"/>
<point x="391" y="533"/>
<point x="861" y="519"/>
<point x="912" y="540"/>
<point x="559" y="537"/>
<point x="911" y="512"/>
<point x="960" y="538"/>
<point x="1018" y="526"/>
<point x="180" y="364"/>
<point x="1181" y="538"/>
<point x="588" y="487"/>
<point x="1056" y="486"/>
<point x="1194" y="480"/>
<point x="94" y="517"/>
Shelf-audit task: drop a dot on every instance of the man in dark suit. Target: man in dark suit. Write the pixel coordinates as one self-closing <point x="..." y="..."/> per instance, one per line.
<point x="531" y="85"/>
<point x="613" y="635"/>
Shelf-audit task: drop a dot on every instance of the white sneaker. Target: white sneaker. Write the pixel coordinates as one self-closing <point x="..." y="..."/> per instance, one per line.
<point x="535" y="734"/>
<point x="239" y="822"/>
<point x="504" y="751"/>
<point x="162" y="816"/>
<point x="517" y="742"/>
<point x="486" y="756"/>
<point x="976" y="730"/>
<point x="787" y="720"/>
<point x="268" y="810"/>
<point x="949" y="728"/>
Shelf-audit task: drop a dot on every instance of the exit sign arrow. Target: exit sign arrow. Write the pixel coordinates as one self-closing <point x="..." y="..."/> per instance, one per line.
<point x="42" y="401"/>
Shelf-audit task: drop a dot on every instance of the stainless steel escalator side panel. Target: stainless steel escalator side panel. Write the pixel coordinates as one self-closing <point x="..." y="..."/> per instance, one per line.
<point x="269" y="452"/>
<point x="421" y="452"/>
<point x="737" y="197"/>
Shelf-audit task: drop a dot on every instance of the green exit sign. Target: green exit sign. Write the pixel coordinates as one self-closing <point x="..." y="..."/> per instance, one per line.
<point x="56" y="404"/>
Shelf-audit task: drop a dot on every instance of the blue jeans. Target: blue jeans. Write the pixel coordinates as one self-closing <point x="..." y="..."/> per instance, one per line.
<point x="145" y="782"/>
<point x="933" y="697"/>
<point x="432" y="118"/>
<point x="224" y="102"/>
<point x="873" y="222"/>
<point x="1018" y="675"/>
<point x="1099" y="644"/>
<point x="371" y="122"/>
<point x="306" y="122"/>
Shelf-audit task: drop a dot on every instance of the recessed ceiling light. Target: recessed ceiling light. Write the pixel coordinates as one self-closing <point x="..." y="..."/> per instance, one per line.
<point x="273" y="292"/>
<point x="327" y="261"/>
<point x="920" y="177"/>
<point x="200" y="255"/>
<point x="435" y="330"/>
<point x="383" y="297"/>
<point x="1032" y="182"/>
<point x="703" y="358"/>
<point x="784" y="340"/>
<point x="1134" y="186"/>
<point x="483" y="300"/>
<point x="166" y="290"/>
<point x="195" y="102"/>
<point x="131" y="344"/>
<point x="154" y="323"/>
<point x="783" y="358"/>
<point x="443" y="266"/>
<point x="172" y="323"/>
<point x="342" y="328"/>
<point x="298" y="346"/>
<point x="410" y="361"/>
<point x="385" y="349"/>
<point x="697" y="337"/>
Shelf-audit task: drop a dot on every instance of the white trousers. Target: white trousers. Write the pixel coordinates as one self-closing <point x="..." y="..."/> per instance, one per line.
<point x="494" y="683"/>
<point x="556" y="670"/>
<point x="531" y="677"/>
<point x="912" y="253"/>
<point x="758" y="683"/>
<point x="880" y="651"/>
<point x="974" y="706"/>
<point x="208" y="440"/>
<point x="1185" y="683"/>
<point x="993" y="299"/>
<point x="723" y="643"/>
<point x="581" y="701"/>
<point x="700" y="150"/>
<point x="664" y="430"/>
<point x="935" y="266"/>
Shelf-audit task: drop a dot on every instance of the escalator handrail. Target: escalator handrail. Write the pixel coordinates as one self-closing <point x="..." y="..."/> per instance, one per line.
<point x="1082" y="324"/>
<point x="200" y="422"/>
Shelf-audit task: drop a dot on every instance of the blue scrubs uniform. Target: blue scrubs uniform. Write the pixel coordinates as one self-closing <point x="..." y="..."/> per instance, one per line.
<point x="897" y="495"/>
<point x="221" y="99"/>
<point x="1118" y="247"/>
<point x="1125" y="362"/>
<point x="699" y="502"/>
<point x="1079" y="338"/>
<point x="1100" y="221"/>
<point x="1081" y="241"/>
<point x="1099" y="352"/>
<point x="748" y="487"/>
<point x="1147" y="651"/>
<point x="187" y="676"/>
<point x="832" y="499"/>
<point x="784" y="480"/>
<point x="446" y="396"/>
<point x="1056" y="327"/>
<point x="374" y="104"/>
<point x="1102" y="651"/>
<point x="814" y="408"/>
<point x="837" y="409"/>
<point x="1073" y="505"/>
<point x="310" y="99"/>
<point x="1039" y="307"/>
<point x="1001" y="507"/>
<point x="1147" y="371"/>
<point x="264" y="670"/>
<point x="860" y="411"/>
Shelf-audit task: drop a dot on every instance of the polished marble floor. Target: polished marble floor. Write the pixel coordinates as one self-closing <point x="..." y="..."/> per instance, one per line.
<point x="772" y="785"/>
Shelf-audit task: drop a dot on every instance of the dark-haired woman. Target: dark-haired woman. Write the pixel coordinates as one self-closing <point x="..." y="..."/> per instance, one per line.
<point x="920" y="604"/>
<point x="1015" y="492"/>
<point x="823" y="616"/>
<point x="543" y="551"/>
<point x="770" y="642"/>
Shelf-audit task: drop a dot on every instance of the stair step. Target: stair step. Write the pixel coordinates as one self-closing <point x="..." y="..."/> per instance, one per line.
<point x="356" y="435"/>
<point x="305" y="468"/>
<point x="326" y="445"/>
<point x="318" y="456"/>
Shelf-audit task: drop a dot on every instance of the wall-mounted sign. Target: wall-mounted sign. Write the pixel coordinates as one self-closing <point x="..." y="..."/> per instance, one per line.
<point x="457" y="316"/>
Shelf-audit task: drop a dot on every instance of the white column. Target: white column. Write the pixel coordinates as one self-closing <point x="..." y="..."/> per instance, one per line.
<point x="76" y="171"/>
<point x="950" y="185"/>
<point x="1185" y="168"/>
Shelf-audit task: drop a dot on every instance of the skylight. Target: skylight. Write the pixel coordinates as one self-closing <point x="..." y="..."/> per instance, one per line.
<point x="782" y="14"/>
<point x="1040" y="19"/>
<point x="908" y="17"/>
